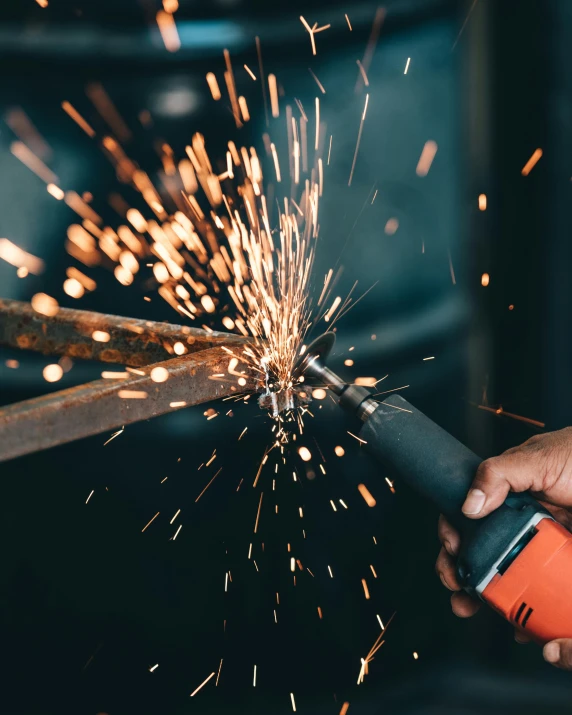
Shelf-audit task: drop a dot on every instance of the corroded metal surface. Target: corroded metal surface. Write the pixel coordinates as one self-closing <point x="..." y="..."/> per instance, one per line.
<point x="131" y="342"/>
<point x="99" y="406"/>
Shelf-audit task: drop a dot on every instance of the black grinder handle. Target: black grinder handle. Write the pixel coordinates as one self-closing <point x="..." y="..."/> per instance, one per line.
<point x="425" y="456"/>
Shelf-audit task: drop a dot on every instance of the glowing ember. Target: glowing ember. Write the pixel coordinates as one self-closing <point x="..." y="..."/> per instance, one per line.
<point x="17" y="257"/>
<point x="305" y="454"/>
<point x="100" y="336"/>
<point x="482" y="202"/>
<point x="485" y="279"/>
<point x="367" y="495"/>
<point x="159" y="374"/>
<point x="339" y="451"/>
<point x="53" y="373"/>
<point x="55" y="191"/>
<point x="532" y="162"/>
<point x="319" y="393"/>
<point x="426" y="158"/>
<point x="391" y="226"/>
<point x="45" y="304"/>
<point x="73" y="288"/>
<point x="168" y="30"/>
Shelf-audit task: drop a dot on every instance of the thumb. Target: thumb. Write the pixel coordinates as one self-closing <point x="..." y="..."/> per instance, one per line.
<point x="515" y="470"/>
<point x="559" y="653"/>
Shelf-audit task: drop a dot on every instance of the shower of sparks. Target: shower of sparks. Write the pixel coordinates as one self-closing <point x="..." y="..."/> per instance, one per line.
<point x="217" y="237"/>
<point x="215" y="240"/>
<point x="532" y="162"/>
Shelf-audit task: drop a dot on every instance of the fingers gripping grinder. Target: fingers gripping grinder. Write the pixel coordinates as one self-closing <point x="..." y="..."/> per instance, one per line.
<point x="517" y="559"/>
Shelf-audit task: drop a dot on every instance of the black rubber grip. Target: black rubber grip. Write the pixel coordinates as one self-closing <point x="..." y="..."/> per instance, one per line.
<point x="441" y="469"/>
<point x="427" y="457"/>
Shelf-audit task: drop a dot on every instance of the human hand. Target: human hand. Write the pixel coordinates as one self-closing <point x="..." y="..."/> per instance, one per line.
<point x="543" y="466"/>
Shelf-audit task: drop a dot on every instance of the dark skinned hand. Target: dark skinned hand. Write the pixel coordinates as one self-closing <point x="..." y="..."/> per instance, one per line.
<point x="543" y="466"/>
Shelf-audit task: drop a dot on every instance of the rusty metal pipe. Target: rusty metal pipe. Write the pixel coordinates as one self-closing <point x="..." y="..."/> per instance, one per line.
<point x="131" y="342"/>
<point x="99" y="406"/>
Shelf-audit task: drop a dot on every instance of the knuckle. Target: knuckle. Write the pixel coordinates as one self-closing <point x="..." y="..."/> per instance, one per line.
<point x="486" y="470"/>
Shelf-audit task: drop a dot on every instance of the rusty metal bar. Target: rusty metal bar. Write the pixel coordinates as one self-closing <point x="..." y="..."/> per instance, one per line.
<point x="70" y="332"/>
<point x="100" y="406"/>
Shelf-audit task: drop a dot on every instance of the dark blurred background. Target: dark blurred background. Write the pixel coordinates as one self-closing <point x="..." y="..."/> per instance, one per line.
<point x="88" y="604"/>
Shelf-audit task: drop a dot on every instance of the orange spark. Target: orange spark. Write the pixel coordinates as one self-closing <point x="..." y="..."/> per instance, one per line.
<point x="29" y="159"/>
<point x="358" y="139"/>
<point x="367" y="495"/>
<point x="78" y="119"/>
<point x="320" y="85"/>
<point x="150" y="522"/>
<point x="391" y="226"/>
<point x="52" y="373"/>
<point x="258" y="513"/>
<point x="168" y="30"/>
<point x="426" y="158"/>
<point x="208" y="485"/>
<point x="363" y="74"/>
<point x="482" y="202"/>
<point x="203" y="684"/>
<point x="532" y="162"/>
<point x="213" y="86"/>
<point x="371" y="44"/>
<point x="55" y="191"/>
<point x="17" y="257"/>
<point x="45" y="304"/>
<point x="273" y="89"/>
<point x="108" y="111"/>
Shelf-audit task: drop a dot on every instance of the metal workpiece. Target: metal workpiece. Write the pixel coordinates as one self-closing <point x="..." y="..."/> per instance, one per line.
<point x="156" y="382"/>
<point x="108" y="404"/>
<point x="131" y="342"/>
